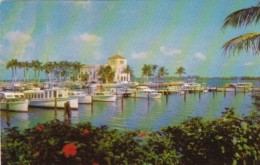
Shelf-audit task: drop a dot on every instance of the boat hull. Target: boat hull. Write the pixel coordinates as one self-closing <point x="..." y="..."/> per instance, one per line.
<point x="15" y="105"/>
<point x="104" y="97"/>
<point x="147" y="95"/>
<point x="50" y="103"/>
<point x="83" y="99"/>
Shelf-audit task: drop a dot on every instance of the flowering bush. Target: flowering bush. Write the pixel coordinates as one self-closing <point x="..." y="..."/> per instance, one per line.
<point x="226" y="140"/>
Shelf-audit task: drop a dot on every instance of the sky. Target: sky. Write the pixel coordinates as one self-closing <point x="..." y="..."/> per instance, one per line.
<point x="169" y="33"/>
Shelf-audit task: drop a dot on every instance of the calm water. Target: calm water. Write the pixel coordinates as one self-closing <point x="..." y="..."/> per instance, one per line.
<point x="130" y="113"/>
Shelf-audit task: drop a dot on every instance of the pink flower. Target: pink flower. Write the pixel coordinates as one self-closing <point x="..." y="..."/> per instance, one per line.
<point x="69" y="150"/>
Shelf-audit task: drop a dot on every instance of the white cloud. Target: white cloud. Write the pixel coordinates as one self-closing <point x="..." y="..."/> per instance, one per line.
<point x="200" y="56"/>
<point x="140" y="55"/>
<point x="17" y="36"/>
<point x="249" y="64"/>
<point x="169" y="51"/>
<point x="90" y="38"/>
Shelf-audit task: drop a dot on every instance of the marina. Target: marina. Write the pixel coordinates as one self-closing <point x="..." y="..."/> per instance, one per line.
<point x="130" y="82"/>
<point x="142" y="113"/>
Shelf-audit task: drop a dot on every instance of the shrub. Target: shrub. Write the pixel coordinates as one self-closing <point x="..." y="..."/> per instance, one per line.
<point x="225" y="140"/>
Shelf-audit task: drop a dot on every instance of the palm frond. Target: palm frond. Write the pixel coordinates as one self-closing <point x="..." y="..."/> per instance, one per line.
<point x="243" y="17"/>
<point x="248" y="42"/>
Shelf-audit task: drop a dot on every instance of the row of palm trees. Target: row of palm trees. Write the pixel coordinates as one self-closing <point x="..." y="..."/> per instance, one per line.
<point x="61" y="69"/>
<point x="156" y="72"/>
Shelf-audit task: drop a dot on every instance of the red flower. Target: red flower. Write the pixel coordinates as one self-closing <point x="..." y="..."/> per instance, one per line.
<point x="39" y="128"/>
<point x="69" y="150"/>
<point x="143" y="134"/>
<point x="95" y="163"/>
<point x="36" y="154"/>
<point x="85" y="131"/>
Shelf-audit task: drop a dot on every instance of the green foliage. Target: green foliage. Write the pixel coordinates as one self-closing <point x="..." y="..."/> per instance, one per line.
<point x="225" y="140"/>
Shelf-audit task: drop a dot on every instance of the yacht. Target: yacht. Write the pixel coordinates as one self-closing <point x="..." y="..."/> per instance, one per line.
<point x="82" y="97"/>
<point x="145" y="92"/>
<point x="50" y="98"/>
<point x="237" y="87"/>
<point x="13" y="101"/>
<point x="121" y="92"/>
<point x="100" y="95"/>
<point x="192" y="87"/>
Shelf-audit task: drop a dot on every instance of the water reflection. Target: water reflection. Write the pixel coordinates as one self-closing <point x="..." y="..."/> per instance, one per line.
<point x="132" y="113"/>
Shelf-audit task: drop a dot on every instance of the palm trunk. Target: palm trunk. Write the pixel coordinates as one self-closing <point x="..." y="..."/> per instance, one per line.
<point x="13" y="75"/>
<point x="27" y="74"/>
<point x="34" y="75"/>
<point x="39" y="75"/>
<point x="15" y="78"/>
<point x="24" y="74"/>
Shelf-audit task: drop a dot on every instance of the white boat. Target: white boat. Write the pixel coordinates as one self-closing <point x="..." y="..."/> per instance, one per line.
<point x="13" y="101"/>
<point x="237" y="87"/>
<point x="103" y="96"/>
<point x="170" y="89"/>
<point x="192" y="87"/>
<point x="146" y="92"/>
<point x="82" y="97"/>
<point x="121" y="92"/>
<point x="49" y="98"/>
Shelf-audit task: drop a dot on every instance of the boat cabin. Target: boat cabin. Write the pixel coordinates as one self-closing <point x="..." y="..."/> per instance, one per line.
<point x="45" y="94"/>
<point x="11" y="95"/>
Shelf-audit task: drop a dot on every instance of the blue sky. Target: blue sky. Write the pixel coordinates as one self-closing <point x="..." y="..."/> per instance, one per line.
<point x="169" y="33"/>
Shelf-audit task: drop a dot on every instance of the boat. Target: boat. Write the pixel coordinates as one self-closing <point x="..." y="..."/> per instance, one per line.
<point x="100" y="95"/>
<point x="13" y="101"/>
<point x="170" y="89"/>
<point x="121" y="92"/>
<point x="191" y="87"/>
<point x="146" y="92"/>
<point x="82" y="97"/>
<point x="237" y="87"/>
<point x="50" y="98"/>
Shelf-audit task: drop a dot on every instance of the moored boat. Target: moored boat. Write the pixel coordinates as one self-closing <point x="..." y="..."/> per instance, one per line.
<point x="192" y="87"/>
<point x="237" y="87"/>
<point x="50" y="98"/>
<point x="103" y="96"/>
<point x="146" y="92"/>
<point x="13" y="101"/>
<point x="82" y="97"/>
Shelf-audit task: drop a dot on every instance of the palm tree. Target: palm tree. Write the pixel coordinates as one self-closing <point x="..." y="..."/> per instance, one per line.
<point x="153" y="68"/>
<point x="101" y="73"/>
<point x="180" y="71"/>
<point x="26" y="66"/>
<point x="76" y="67"/>
<point x="249" y="42"/>
<point x="106" y="74"/>
<point x="128" y="70"/>
<point x="110" y="74"/>
<point x="36" y="64"/>
<point x="48" y="68"/>
<point x="162" y="72"/>
<point x="147" y="71"/>
<point x="21" y="65"/>
<point x="12" y="64"/>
